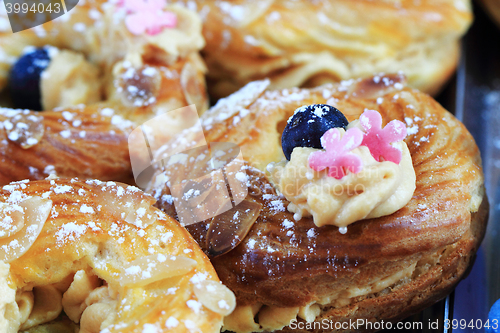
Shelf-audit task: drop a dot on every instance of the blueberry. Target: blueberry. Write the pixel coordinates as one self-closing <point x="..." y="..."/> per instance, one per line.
<point x="306" y="127"/>
<point x="24" y="79"/>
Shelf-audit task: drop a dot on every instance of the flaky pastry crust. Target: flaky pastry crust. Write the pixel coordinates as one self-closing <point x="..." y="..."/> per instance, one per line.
<point x="166" y="68"/>
<point x="84" y="236"/>
<point x="96" y="148"/>
<point x="381" y="269"/>
<point x="308" y="43"/>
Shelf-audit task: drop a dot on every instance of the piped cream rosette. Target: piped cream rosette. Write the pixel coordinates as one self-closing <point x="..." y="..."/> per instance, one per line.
<point x="364" y="172"/>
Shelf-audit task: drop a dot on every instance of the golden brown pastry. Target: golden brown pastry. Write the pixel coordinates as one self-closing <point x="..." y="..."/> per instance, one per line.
<point x="308" y="43"/>
<point x="288" y="274"/>
<point x="77" y="142"/>
<point x="105" y="256"/>
<point x="99" y="66"/>
<point x="97" y="30"/>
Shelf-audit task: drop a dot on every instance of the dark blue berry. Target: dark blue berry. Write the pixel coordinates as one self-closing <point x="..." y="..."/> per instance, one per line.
<point x="24" y="79"/>
<point x="306" y="127"/>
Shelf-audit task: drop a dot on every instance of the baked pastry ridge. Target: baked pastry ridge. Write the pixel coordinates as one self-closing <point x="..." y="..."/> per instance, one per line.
<point x="138" y="77"/>
<point x="311" y="43"/>
<point x="106" y="257"/>
<point x="287" y="272"/>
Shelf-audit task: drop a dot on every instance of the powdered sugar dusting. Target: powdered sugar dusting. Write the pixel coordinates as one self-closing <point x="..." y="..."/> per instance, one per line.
<point x="235" y="103"/>
<point x="70" y="232"/>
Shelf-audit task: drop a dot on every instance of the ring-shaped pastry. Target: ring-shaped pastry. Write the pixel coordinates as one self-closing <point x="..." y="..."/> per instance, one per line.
<point x="289" y="275"/>
<point x="309" y="43"/>
<point x="138" y="76"/>
<point x="102" y="253"/>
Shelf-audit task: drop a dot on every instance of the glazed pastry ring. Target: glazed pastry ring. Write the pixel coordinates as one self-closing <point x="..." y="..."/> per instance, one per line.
<point x="309" y="43"/>
<point x="105" y="256"/>
<point x="90" y="141"/>
<point x="383" y="268"/>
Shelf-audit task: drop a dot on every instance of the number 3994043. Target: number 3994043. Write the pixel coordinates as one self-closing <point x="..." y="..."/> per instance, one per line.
<point x="26" y="8"/>
<point x="473" y="324"/>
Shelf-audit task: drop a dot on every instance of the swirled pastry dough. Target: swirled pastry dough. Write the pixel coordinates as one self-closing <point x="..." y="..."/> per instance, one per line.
<point x="125" y="78"/>
<point x="308" y="43"/>
<point x="90" y="243"/>
<point x="286" y="270"/>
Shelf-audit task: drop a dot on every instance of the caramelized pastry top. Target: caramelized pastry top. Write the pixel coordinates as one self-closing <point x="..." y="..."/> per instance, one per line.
<point x="135" y="262"/>
<point x="449" y="189"/>
<point x="124" y="79"/>
<point x="309" y="43"/>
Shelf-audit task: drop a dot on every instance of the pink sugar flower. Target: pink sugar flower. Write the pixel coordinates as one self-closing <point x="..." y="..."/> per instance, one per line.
<point x="337" y="156"/>
<point x="379" y="139"/>
<point x="147" y="16"/>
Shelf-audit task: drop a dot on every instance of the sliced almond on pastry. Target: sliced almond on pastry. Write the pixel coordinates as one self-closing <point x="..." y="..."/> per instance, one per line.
<point x="36" y="211"/>
<point x="146" y="270"/>
<point x="215" y="296"/>
<point x="228" y="229"/>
